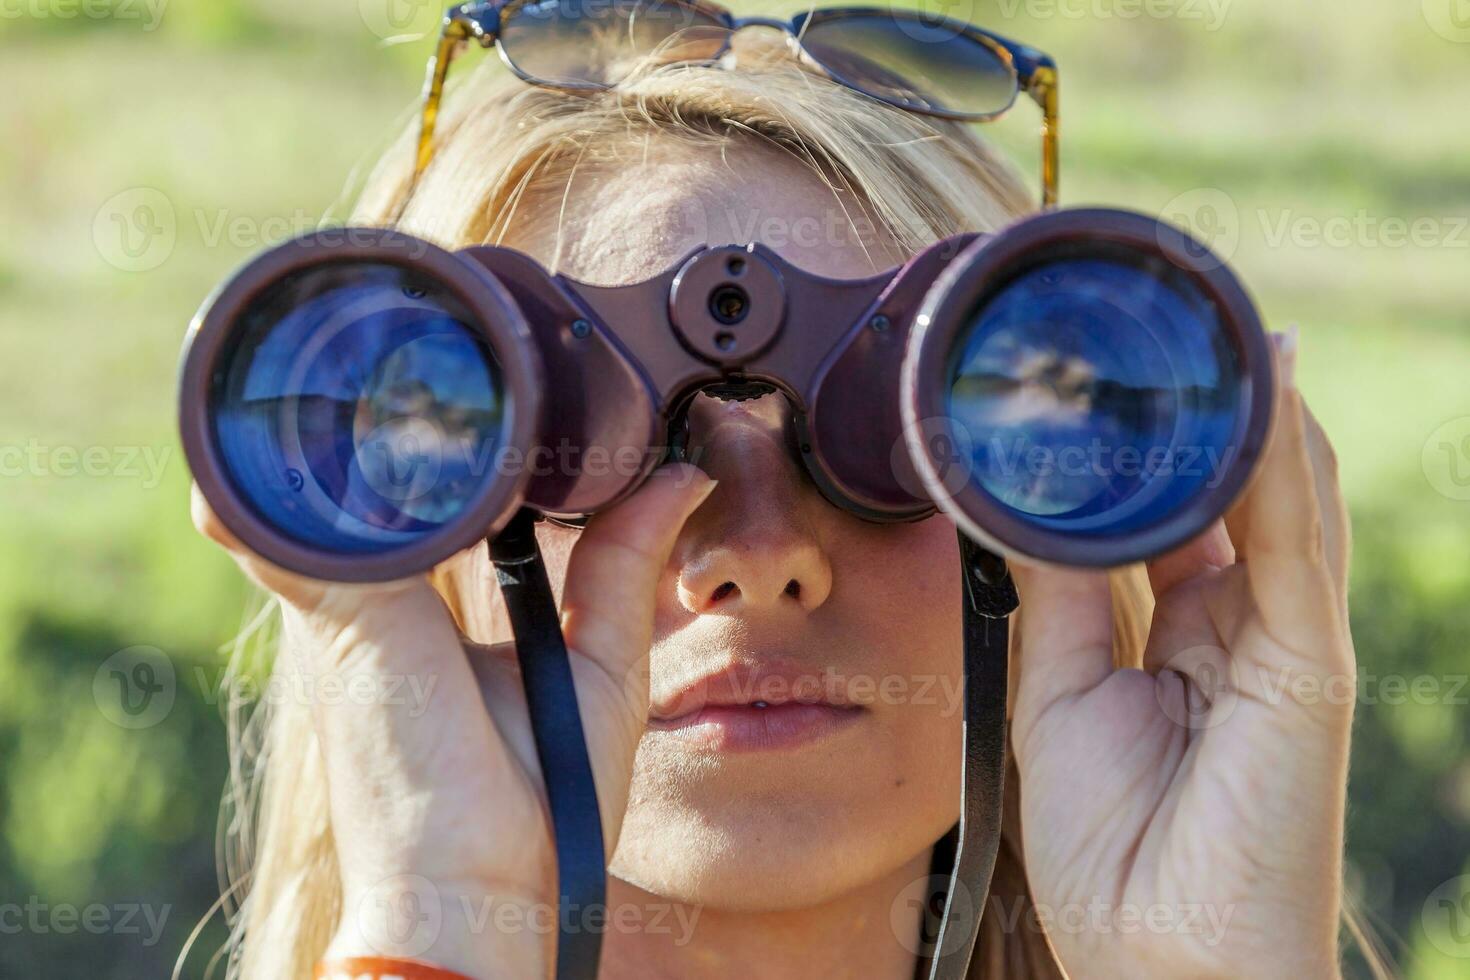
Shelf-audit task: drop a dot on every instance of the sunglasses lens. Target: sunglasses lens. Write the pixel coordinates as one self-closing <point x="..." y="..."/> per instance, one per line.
<point x="355" y="411"/>
<point x="1101" y="393"/>
<point x="912" y="62"/>
<point x="582" y="43"/>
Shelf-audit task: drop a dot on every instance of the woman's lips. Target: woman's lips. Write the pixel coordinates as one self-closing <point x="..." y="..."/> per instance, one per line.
<point x="752" y="728"/>
<point x="748" y="707"/>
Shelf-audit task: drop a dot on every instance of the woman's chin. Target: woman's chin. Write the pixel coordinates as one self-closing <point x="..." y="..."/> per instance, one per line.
<point x="750" y="870"/>
<point x="767" y="850"/>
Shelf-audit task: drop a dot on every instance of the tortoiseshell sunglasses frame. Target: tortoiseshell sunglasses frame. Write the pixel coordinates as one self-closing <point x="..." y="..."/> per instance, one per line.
<point x="1035" y="72"/>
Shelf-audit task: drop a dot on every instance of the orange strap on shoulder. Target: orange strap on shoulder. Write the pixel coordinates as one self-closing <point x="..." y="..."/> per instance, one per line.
<point x="382" y="968"/>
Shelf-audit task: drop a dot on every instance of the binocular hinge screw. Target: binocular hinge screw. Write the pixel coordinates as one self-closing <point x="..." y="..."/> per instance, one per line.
<point x="879" y="323"/>
<point x="581" y="328"/>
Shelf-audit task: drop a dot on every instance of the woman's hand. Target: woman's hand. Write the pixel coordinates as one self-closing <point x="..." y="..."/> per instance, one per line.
<point x="443" y="801"/>
<point x="1187" y="819"/>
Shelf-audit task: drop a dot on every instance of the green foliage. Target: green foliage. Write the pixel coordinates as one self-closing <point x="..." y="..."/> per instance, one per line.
<point x="246" y="116"/>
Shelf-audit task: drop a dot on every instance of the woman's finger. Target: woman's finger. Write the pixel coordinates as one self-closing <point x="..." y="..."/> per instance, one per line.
<point x="1211" y="551"/>
<point x="612" y="578"/>
<point x="372" y="662"/>
<point x="1282" y="538"/>
<point x="293" y="589"/>
<point x="1336" y="525"/>
<point x="1065" y="628"/>
<point x="607" y="615"/>
<point x="306" y="594"/>
<point x="207" y="523"/>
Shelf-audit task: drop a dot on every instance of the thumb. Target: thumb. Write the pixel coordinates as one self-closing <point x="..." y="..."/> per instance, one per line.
<point x="607" y="618"/>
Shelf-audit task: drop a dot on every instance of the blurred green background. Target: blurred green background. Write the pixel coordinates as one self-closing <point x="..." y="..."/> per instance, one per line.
<point x="147" y="147"/>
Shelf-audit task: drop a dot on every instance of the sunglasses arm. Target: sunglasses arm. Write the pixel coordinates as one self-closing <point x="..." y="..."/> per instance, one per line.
<point x="1042" y="85"/>
<point x="478" y="21"/>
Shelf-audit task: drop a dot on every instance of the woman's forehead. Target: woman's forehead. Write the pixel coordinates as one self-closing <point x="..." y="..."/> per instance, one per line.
<point x="628" y="221"/>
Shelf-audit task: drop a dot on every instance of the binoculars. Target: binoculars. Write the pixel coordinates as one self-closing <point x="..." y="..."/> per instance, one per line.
<point x="1085" y="387"/>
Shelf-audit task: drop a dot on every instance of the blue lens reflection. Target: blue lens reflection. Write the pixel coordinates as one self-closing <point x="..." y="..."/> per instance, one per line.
<point x="1099" y="395"/>
<point x="358" y="412"/>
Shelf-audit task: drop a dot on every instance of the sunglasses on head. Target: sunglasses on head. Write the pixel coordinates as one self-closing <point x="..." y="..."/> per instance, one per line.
<point x="931" y="65"/>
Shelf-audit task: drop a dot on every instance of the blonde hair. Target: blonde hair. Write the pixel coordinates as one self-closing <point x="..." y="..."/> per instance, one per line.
<point x="499" y="139"/>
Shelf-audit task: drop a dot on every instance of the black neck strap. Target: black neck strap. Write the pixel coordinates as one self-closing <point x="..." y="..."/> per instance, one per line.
<point x="571" y="793"/>
<point x="990" y="597"/>
<point x="556" y="725"/>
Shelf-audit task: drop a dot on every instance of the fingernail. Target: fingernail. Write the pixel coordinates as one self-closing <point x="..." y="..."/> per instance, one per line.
<point x="696" y="499"/>
<point x="708" y="489"/>
<point x="1287" y="345"/>
<point x="685" y="474"/>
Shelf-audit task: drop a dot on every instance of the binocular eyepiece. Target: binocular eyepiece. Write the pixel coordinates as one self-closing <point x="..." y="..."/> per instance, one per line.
<point x="1086" y="387"/>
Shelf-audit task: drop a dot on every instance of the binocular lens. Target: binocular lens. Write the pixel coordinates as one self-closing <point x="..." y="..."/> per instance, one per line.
<point x="356" y="411"/>
<point x="1100" y="394"/>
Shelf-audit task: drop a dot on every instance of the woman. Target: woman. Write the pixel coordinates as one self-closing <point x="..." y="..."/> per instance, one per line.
<point x="765" y="845"/>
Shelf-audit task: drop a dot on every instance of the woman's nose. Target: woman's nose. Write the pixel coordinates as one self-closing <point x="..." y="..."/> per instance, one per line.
<point x="768" y="570"/>
<point x="754" y="546"/>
